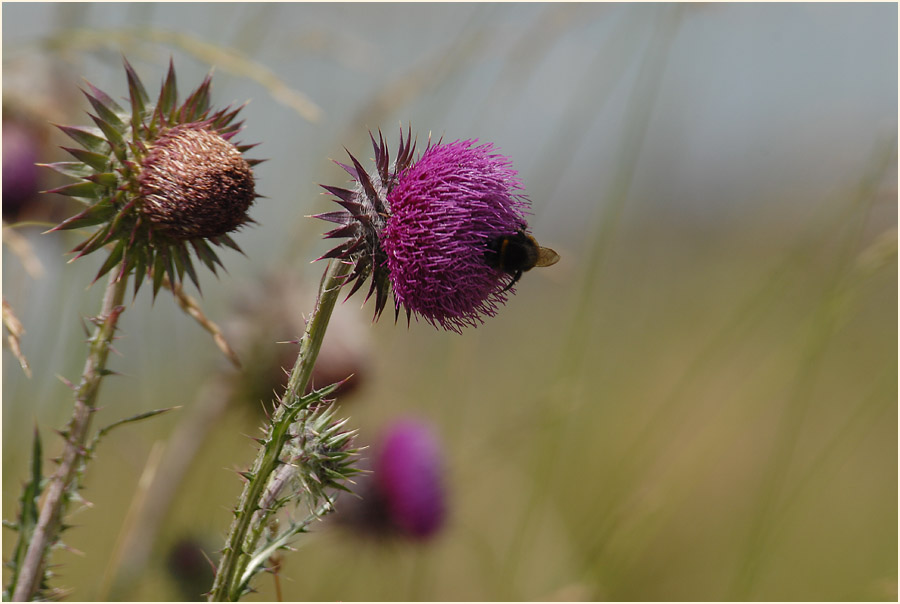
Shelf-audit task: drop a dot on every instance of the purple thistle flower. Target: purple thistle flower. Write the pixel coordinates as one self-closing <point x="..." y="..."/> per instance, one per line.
<point x="408" y="478"/>
<point x="445" y="210"/>
<point x="403" y="495"/>
<point x="446" y="233"/>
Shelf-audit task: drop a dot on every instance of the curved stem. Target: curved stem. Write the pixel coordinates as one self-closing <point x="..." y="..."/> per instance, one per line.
<point x="239" y="549"/>
<point x="46" y="531"/>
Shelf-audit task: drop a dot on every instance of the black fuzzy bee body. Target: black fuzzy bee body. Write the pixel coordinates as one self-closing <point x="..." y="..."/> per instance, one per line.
<point x="516" y="254"/>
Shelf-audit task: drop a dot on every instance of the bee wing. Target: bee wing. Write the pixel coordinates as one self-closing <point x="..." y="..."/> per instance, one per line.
<point x="546" y="257"/>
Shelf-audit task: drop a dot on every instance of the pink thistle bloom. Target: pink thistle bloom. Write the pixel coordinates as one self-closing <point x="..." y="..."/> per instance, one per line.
<point x="444" y="210"/>
<point x="446" y="232"/>
<point x="408" y="478"/>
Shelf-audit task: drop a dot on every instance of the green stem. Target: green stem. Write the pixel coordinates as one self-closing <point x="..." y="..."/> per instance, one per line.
<point x="242" y="540"/>
<point x="46" y="531"/>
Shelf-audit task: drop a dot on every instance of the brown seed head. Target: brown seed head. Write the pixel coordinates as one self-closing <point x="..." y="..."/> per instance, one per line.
<point x="195" y="183"/>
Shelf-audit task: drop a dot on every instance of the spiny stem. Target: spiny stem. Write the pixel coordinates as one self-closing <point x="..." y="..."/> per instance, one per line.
<point x="46" y="532"/>
<point x="238" y="548"/>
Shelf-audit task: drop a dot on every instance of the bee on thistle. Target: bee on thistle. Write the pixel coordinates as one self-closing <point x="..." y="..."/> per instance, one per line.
<point x="518" y="253"/>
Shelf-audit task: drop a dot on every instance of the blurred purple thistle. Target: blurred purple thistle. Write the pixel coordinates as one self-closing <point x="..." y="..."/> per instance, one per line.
<point x="408" y="477"/>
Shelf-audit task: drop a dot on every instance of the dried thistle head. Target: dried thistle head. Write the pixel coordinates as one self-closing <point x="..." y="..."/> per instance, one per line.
<point x="159" y="179"/>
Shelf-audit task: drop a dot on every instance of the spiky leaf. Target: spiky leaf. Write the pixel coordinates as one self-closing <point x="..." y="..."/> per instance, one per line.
<point x="168" y="94"/>
<point x="128" y="420"/>
<point x="86" y="190"/>
<point x="96" y="214"/>
<point x="198" y="103"/>
<point x="104" y="179"/>
<point x="112" y="260"/>
<point x="28" y="513"/>
<point x="98" y="161"/>
<point x="87" y="138"/>
<point x="106" y="111"/>
<point x="71" y="169"/>
<point x="113" y="136"/>
<point x="138" y="95"/>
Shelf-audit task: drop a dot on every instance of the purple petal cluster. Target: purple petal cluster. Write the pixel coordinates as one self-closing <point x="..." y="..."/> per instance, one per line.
<point x="444" y="210"/>
<point x="408" y="478"/>
<point x="425" y="229"/>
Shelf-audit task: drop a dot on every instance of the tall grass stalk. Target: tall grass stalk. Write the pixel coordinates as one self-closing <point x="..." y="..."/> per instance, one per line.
<point x="825" y="320"/>
<point x="560" y="410"/>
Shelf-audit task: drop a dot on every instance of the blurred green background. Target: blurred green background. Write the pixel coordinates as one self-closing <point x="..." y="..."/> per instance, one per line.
<point x="699" y="402"/>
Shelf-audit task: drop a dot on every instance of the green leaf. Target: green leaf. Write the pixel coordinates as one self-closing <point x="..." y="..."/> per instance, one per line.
<point x="206" y="254"/>
<point x="159" y="272"/>
<point x="227" y="241"/>
<point x="104" y="99"/>
<point x="198" y="102"/>
<point x="128" y="420"/>
<point x="224" y="117"/>
<point x="179" y="265"/>
<point x="169" y="264"/>
<point x="183" y="258"/>
<point x="123" y="212"/>
<point x="36" y="475"/>
<point x="92" y="243"/>
<point x="140" y="269"/>
<point x="28" y="514"/>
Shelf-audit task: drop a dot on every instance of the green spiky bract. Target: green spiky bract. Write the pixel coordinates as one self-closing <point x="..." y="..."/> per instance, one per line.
<point x="108" y="168"/>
